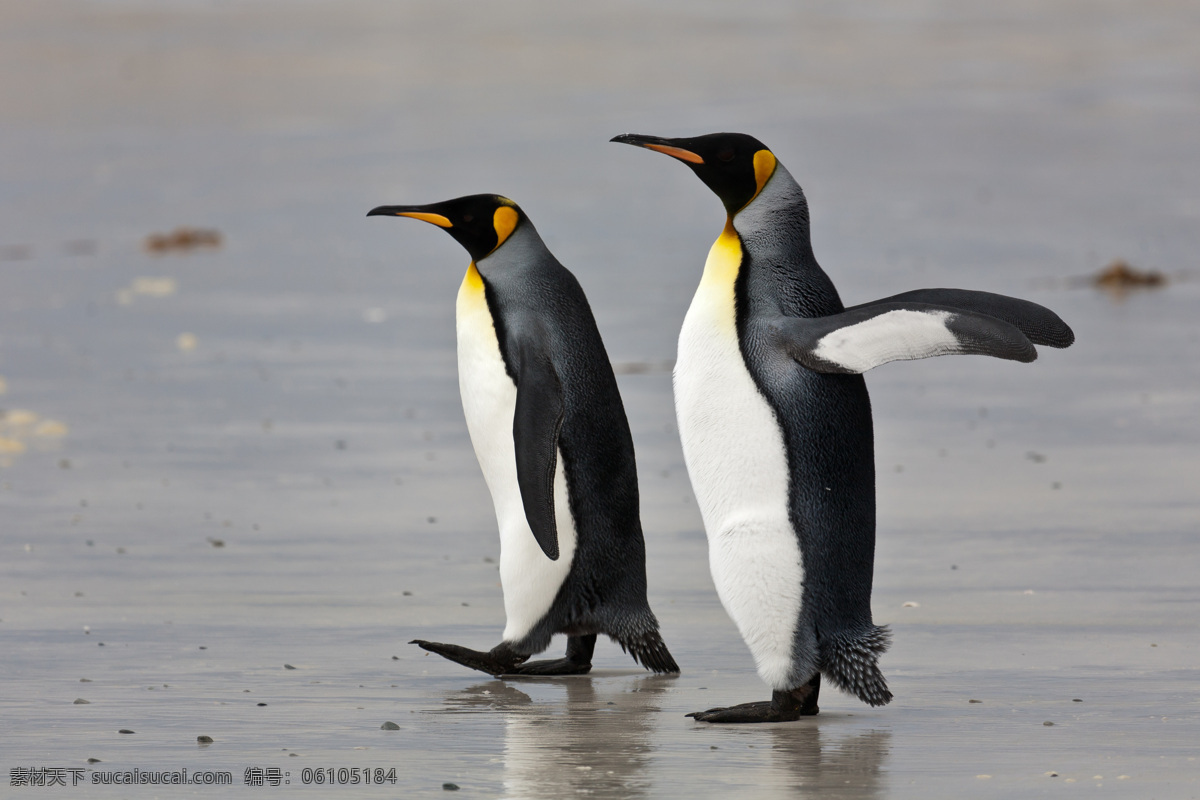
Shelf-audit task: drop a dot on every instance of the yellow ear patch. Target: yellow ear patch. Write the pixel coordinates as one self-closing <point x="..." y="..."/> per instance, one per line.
<point x="764" y="168"/>
<point x="505" y="222"/>
<point x="436" y="219"/>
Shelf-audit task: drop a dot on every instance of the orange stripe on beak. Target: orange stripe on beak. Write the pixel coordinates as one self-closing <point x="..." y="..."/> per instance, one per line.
<point x="436" y="219"/>
<point x="676" y="152"/>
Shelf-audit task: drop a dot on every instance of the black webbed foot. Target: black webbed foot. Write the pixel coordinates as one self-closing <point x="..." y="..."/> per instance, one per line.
<point x="503" y="660"/>
<point x="555" y="666"/>
<point x="500" y="660"/>
<point x="782" y="707"/>
<point x="578" y="660"/>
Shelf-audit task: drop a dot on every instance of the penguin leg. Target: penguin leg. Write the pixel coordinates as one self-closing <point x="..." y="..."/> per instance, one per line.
<point x="578" y="660"/>
<point x="782" y="707"/>
<point x="500" y="660"/>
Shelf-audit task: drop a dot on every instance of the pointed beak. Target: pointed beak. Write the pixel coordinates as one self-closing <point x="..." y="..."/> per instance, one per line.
<point x="660" y="145"/>
<point x="416" y="212"/>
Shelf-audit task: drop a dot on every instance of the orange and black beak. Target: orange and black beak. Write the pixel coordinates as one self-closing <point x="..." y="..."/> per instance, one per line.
<point x="735" y="166"/>
<point x="670" y="147"/>
<point x="423" y="213"/>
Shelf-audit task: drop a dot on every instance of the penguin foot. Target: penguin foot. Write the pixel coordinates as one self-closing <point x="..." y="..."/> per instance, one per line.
<point x="578" y="660"/>
<point x="783" y="706"/>
<point x="555" y="666"/>
<point x="500" y="660"/>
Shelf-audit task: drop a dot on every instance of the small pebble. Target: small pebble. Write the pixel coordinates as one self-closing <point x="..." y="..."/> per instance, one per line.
<point x="1076" y="700"/>
<point x="260" y="705"/>
<point x="389" y="726"/>
<point x="79" y="701"/>
<point x="288" y="666"/>
<point x="983" y="777"/>
<point x="204" y="740"/>
<point x="85" y="680"/>
<point x="1051" y="774"/>
<point x="974" y="701"/>
<point x="912" y="604"/>
<point x="407" y="594"/>
<point x="713" y="747"/>
<point x="1048" y="724"/>
<point x="450" y="787"/>
<point x="124" y="730"/>
<point x="97" y="761"/>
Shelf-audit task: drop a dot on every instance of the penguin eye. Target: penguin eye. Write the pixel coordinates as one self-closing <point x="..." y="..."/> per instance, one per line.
<point x="468" y="217"/>
<point x="725" y="155"/>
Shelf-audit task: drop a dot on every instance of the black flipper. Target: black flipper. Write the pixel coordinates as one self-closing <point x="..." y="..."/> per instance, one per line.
<point x="1039" y="323"/>
<point x="868" y="336"/>
<point x="536" y="425"/>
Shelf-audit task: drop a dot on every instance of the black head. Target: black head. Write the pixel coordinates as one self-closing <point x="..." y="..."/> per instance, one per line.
<point x="735" y="166"/>
<point x="479" y="222"/>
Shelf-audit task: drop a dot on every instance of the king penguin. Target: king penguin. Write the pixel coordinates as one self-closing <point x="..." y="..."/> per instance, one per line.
<point x="550" y="433"/>
<point x="775" y="423"/>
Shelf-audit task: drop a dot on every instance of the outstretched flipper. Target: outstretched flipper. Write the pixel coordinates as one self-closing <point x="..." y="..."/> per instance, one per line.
<point x="502" y="660"/>
<point x="784" y="706"/>
<point x="865" y="337"/>
<point x="537" y="422"/>
<point x="1038" y="323"/>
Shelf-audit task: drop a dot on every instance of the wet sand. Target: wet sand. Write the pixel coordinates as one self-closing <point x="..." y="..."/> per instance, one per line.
<point x="248" y="455"/>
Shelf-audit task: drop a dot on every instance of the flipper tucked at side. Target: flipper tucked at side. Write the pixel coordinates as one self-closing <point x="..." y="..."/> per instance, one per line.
<point x="536" y="424"/>
<point x="921" y="324"/>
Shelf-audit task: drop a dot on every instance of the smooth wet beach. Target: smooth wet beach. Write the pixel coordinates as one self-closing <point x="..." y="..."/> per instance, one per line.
<point x="235" y="479"/>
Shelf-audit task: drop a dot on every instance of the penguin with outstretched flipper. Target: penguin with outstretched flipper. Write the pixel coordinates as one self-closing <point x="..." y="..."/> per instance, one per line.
<point x="775" y="423"/>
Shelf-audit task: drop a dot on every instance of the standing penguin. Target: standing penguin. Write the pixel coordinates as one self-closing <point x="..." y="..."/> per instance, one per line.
<point x="776" y="423"/>
<point x="550" y="433"/>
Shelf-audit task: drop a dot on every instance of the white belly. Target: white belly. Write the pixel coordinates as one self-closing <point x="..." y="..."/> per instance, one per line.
<point x="736" y="459"/>
<point x="530" y="580"/>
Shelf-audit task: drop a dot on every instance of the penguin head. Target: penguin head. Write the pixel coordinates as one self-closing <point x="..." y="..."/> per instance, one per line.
<point x="735" y="166"/>
<point x="479" y="222"/>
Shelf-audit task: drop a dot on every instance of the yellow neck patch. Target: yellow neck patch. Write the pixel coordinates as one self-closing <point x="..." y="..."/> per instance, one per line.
<point x="505" y="222"/>
<point x="473" y="281"/>
<point x="713" y="304"/>
<point x="724" y="261"/>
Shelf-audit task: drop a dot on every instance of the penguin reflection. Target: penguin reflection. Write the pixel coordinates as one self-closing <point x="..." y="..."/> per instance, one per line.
<point x="811" y="761"/>
<point x="582" y="746"/>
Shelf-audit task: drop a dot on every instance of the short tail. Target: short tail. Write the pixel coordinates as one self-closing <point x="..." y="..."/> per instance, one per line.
<point x="647" y="647"/>
<point x="849" y="661"/>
